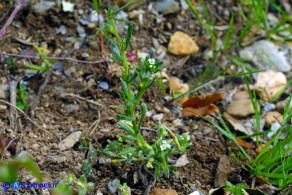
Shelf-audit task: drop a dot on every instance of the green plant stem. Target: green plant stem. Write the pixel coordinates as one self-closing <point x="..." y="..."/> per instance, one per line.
<point x="125" y="62"/>
<point x="126" y="77"/>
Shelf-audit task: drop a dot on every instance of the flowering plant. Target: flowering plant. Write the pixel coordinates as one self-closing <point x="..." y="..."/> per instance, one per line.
<point x="135" y="80"/>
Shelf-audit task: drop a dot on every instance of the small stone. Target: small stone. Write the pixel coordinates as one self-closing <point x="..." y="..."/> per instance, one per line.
<point x="159" y="191"/>
<point x="184" y="4"/>
<point x="43" y="6"/>
<point x="98" y="192"/>
<point x="182" y="44"/>
<point x="35" y="146"/>
<point x="269" y="83"/>
<point x="167" y="6"/>
<point x="95" y="17"/>
<point x="91" y="25"/>
<point x="2" y="94"/>
<point x="241" y="95"/>
<point x="104" y="130"/>
<point x="157" y="117"/>
<point x="196" y="193"/>
<point x="178" y="122"/>
<point x="274" y="127"/>
<point x="3" y="107"/>
<point x="149" y="113"/>
<point x="67" y="6"/>
<point x="268" y="106"/>
<point x="135" y="13"/>
<point x="113" y="185"/>
<point x="81" y="31"/>
<point x="71" y="108"/>
<point x="272" y="117"/>
<point x="103" y="85"/>
<point x="240" y="108"/>
<point x="61" y="30"/>
<point x="69" y="141"/>
<point x="223" y="170"/>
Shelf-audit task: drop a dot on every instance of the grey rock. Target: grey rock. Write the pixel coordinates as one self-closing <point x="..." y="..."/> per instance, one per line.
<point x="2" y="94"/>
<point x="266" y="56"/>
<point x="113" y="185"/>
<point x="104" y="85"/>
<point x="61" y="30"/>
<point x="268" y="106"/>
<point x="3" y="107"/>
<point x="43" y="6"/>
<point x="184" y="4"/>
<point x="81" y="31"/>
<point x="167" y="6"/>
<point x="71" y="108"/>
<point x="69" y="141"/>
<point x="157" y="117"/>
<point x="274" y="128"/>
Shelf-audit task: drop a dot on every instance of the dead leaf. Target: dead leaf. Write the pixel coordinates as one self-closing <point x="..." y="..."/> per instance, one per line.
<point x="201" y="111"/>
<point x="244" y="143"/>
<point x="203" y="100"/>
<point x="201" y="105"/>
<point x="236" y="124"/>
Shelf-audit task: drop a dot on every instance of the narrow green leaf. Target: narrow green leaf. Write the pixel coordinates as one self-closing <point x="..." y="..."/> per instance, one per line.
<point x="126" y="127"/>
<point x="143" y="109"/>
<point x="127" y="137"/>
<point x="126" y="117"/>
<point x="86" y="167"/>
<point x="128" y="150"/>
<point x="129" y="34"/>
<point x="124" y="89"/>
<point x="37" y="67"/>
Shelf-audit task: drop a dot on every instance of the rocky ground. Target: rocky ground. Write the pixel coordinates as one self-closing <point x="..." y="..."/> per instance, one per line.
<point x="77" y="101"/>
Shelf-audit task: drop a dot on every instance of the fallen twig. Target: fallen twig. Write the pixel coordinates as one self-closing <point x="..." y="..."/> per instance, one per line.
<point x="13" y="113"/>
<point x="41" y="89"/>
<point x="53" y="58"/>
<point x="21" y="113"/>
<point x="19" y="4"/>
<point x="94" y="125"/>
<point x="81" y="98"/>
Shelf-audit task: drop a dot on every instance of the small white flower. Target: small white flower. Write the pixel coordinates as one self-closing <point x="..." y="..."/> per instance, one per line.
<point x="188" y="137"/>
<point x="164" y="145"/>
<point x="151" y="61"/>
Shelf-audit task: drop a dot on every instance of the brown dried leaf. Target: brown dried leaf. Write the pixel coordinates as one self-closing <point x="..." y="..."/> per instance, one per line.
<point x="202" y="111"/>
<point x="244" y="143"/>
<point x="203" y="100"/>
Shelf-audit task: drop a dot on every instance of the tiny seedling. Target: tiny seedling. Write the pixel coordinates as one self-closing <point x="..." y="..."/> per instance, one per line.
<point x="47" y="63"/>
<point x="67" y="185"/>
<point x="135" y="80"/>
<point x="237" y="189"/>
<point x="124" y="189"/>
<point x="21" y="95"/>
